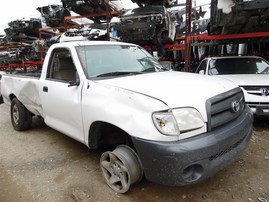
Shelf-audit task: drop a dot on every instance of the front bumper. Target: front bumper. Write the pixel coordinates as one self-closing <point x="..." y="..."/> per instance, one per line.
<point x="259" y="109"/>
<point x="195" y="159"/>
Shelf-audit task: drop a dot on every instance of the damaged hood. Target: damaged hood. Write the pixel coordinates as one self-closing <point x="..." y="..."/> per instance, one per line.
<point x="173" y="88"/>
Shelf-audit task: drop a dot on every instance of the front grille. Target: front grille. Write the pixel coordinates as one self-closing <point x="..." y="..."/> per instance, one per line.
<point x="139" y="31"/>
<point x="255" y="104"/>
<point x="256" y="90"/>
<point x="224" y="108"/>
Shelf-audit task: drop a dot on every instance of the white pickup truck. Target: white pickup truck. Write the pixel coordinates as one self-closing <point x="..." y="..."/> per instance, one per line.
<point x="251" y="73"/>
<point x="173" y="128"/>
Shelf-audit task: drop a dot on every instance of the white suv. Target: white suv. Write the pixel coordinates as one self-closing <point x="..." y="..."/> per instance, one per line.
<point x="251" y="73"/>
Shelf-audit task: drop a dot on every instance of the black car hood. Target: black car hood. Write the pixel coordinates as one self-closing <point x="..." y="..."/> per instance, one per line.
<point x="166" y="3"/>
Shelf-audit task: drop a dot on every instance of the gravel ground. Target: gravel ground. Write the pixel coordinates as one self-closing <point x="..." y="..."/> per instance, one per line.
<point x="44" y="165"/>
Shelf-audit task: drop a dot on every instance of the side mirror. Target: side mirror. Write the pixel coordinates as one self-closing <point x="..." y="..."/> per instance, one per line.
<point x="74" y="83"/>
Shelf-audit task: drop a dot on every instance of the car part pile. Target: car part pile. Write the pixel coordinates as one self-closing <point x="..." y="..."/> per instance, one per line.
<point x="241" y="16"/>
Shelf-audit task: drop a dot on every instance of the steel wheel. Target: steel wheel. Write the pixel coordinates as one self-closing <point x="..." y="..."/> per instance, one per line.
<point x="121" y="168"/>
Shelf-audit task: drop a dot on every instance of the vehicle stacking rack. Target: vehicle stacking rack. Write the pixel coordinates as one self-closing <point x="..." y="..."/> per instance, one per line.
<point x="14" y="56"/>
<point x="44" y="38"/>
<point x="187" y="48"/>
<point x="257" y="41"/>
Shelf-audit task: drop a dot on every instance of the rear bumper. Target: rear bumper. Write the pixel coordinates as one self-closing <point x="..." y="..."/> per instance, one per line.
<point x="195" y="159"/>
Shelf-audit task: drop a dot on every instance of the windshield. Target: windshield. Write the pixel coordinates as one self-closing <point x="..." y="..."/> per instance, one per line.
<point x="116" y="60"/>
<point x="238" y="66"/>
<point x="144" y="11"/>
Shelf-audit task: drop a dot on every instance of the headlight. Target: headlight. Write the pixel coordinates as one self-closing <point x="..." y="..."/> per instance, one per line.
<point x="155" y="18"/>
<point x="188" y="119"/>
<point x="158" y="19"/>
<point x="178" y="121"/>
<point x="166" y="123"/>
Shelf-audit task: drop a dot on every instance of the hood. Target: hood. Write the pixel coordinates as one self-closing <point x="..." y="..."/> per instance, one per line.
<point x="248" y="79"/>
<point x="175" y="89"/>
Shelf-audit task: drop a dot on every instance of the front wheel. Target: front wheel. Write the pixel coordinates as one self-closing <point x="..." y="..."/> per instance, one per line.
<point x="121" y="168"/>
<point x="21" y="118"/>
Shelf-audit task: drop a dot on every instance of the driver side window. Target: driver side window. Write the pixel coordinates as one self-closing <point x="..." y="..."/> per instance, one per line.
<point x="61" y="67"/>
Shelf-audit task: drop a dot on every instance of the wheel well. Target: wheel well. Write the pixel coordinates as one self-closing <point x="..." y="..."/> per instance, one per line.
<point x="11" y="97"/>
<point x="102" y="133"/>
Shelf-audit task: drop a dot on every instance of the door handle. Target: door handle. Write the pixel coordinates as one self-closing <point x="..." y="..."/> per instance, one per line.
<point x="45" y="89"/>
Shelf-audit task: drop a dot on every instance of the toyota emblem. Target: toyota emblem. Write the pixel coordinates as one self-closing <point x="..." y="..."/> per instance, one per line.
<point x="235" y="106"/>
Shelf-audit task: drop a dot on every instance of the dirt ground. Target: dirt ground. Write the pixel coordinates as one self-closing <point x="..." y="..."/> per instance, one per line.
<point x="44" y="165"/>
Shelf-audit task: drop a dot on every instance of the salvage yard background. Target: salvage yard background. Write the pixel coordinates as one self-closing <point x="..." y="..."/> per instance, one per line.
<point x="44" y="165"/>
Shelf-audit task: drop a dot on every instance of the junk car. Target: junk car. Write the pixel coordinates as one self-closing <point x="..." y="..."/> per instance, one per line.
<point x="147" y="25"/>
<point x="241" y="16"/>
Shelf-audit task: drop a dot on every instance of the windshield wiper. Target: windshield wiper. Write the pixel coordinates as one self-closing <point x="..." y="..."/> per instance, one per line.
<point x="150" y="69"/>
<point x="118" y="74"/>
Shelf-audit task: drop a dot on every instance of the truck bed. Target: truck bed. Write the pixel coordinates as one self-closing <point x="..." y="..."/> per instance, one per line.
<point x="25" y="88"/>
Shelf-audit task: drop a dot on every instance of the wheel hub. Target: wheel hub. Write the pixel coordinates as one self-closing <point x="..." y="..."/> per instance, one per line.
<point x="121" y="168"/>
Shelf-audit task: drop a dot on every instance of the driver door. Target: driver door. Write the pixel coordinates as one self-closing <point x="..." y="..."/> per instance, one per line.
<point x="61" y="101"/>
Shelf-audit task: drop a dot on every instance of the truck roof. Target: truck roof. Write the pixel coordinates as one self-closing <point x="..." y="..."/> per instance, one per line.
<point x="89" y="43"/>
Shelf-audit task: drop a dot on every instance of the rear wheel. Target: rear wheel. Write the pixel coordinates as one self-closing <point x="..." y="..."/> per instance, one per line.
<point x="21" y="118"/>
<point x="121" y="168"/>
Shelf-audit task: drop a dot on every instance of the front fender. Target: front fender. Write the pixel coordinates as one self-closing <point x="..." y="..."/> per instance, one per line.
<point x="127" y="110"/>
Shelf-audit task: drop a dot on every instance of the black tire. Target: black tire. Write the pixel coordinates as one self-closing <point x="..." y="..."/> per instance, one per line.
<point x="162" y="39"/>
<point x="21" y="118"/>
<point x="1" y="99"/>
